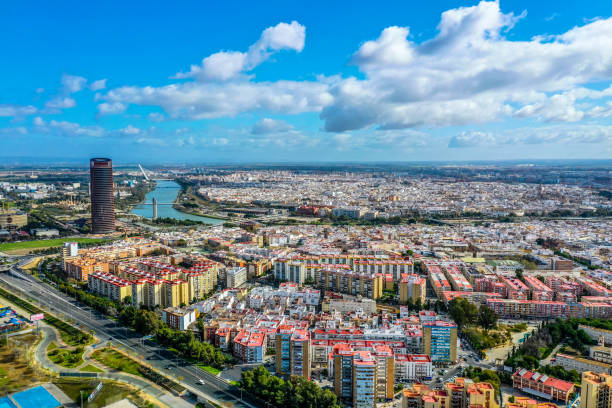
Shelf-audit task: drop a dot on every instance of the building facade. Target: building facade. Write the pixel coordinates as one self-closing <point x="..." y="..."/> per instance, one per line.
<point x="102" y="196"/>
<point x="440" y="341"/>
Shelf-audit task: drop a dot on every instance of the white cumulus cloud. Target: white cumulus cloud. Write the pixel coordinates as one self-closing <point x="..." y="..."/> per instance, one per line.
<point x="73" y="83"/>
<point x="8" y="110"/>
<point x="225" y="65"/>
<point x="97" y="85"/>
<point x="468" y="73"/>
<point x="111" y="108"/>
<point x="267" y="125"/>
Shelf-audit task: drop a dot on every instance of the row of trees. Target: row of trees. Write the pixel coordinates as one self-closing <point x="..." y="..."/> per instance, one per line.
<point x="184" y="342"/>
<point x="296" y="392"/>
<point x="148" y="322"/>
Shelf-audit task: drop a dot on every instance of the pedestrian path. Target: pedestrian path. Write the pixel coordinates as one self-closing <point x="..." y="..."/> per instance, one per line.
<point x="50" y="335"/>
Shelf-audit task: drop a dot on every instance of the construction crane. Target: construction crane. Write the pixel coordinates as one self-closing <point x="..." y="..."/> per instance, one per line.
<point x="143" y="172"/>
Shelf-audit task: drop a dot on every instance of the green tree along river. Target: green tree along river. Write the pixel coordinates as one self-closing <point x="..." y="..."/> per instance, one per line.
<point x="166" y="191"/>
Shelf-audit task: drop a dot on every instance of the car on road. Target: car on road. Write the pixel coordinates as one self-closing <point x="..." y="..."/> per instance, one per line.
<point x="200" y="381"/>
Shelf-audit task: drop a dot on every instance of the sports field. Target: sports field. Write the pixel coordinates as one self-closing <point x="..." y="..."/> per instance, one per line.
<point x="44" y="243"/>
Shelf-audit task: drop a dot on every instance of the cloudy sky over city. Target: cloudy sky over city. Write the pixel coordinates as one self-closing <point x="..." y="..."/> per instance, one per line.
<point x="310" y="81"/>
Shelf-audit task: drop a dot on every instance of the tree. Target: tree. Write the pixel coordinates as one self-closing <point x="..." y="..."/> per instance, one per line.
<point x="487" y="318"/>
<point x="146" y="322"/>
<point x="462" y="312"/>
<point x="127" y="300"/>
<point x="519" y="274"/>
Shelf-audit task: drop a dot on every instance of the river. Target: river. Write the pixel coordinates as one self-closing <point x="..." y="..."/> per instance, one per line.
<point x="166" y="192"/>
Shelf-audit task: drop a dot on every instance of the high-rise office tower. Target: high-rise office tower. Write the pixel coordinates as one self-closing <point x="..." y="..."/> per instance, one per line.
<point x="102" y="198"/>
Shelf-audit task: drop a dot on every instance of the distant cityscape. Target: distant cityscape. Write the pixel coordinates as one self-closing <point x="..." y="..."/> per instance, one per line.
<point x="364" y="288"/>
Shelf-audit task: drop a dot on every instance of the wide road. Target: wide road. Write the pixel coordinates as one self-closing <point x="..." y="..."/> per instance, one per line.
<point x="105" y="329"/>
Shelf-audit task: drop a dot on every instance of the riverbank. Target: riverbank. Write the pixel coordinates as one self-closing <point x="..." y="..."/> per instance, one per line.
<point x="186" y="194"/>
<point x="167" y="194"/>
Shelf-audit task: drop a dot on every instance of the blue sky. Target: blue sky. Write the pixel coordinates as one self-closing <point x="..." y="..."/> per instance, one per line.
<point x="310" y="81"/>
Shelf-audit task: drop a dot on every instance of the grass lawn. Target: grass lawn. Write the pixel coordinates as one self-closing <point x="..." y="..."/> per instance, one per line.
<point x="111" y="392"/>
<point x="114" y="359"/>
<point x="91" y="369"/>
<point x="46" y="243"/>
<point x="66" y="358"/>
<point x="212" y="370"/>
<point x="51" y="346"/>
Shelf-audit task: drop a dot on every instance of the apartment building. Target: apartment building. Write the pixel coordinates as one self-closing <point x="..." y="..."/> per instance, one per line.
<point x="346" y="281"/>
<point x="175" y="293"/>
<point x="367" y="306"/>
<point x="526" y="402"/>
<point x="80" y="268"/>
<point x="528" y="309"/>
<point x="299" y="352"/>
<point x="581" y="364"/>
<point x="108" y="285"/>
<point x="541" y="385"/>
<point x="410" y="367"/>
<point x="235" y="277"/>
<point x="421" y="396"/>
<point x="249" y="346"/>
<point x="462" y="393"/>
<point x="601" y="335"/>
<point x="539" y="291"/>
<point x="474" y="297"/>
<point x="178" y="318"/>
<point x="440" y="341"/>
<point x="457" y="280"/>
<point x="394" y="267"/>
<point x="438" y="281"/>
<point x="362" y="376"/>
<point x="364" y="380"/>
<point x="601" y="352"/>
<point x="293" y="351"/>
<point x="597" y="310"/>
<point x="385" y="371"/>
<point x="515" y="289"/>
<point x="292" y="271"/>
<point x="595" y="390"/>
<point x="412" y="287"/>
<point x="562" y="264"/>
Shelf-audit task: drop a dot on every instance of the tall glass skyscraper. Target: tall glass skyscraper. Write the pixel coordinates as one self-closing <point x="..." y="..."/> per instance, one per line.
<point x="102" y="197"/>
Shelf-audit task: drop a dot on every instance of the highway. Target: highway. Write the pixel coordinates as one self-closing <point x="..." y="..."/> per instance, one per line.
<point x="105" y="329"/>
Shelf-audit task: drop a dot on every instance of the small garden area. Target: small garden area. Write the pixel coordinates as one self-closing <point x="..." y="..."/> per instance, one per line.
<point x="117" y="361"/>
<point x="111" y="392"/>
<point x="90" y="368"/>
<point x="65" y="357"/>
